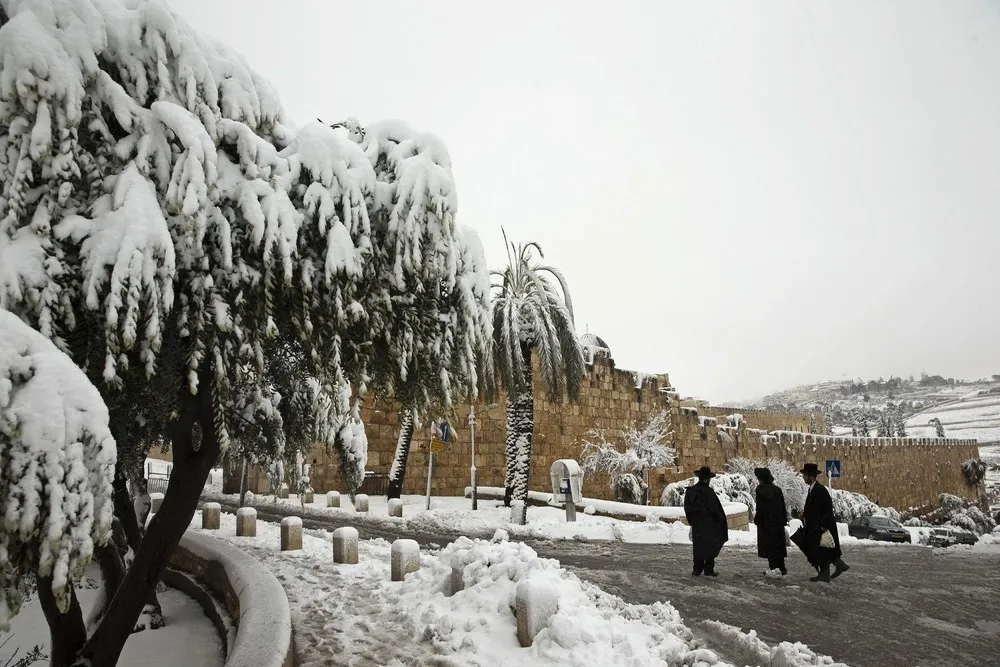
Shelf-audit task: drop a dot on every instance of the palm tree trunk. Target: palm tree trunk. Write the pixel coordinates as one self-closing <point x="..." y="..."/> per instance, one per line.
<point x="520" y="428"/>
<point x="398" y="469"/>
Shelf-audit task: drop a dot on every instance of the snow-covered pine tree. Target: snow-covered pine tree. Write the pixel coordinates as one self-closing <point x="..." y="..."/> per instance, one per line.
<point x="531" y="316"/>
<point x="828" y="422"/>
<point x="161" y="224"/>
<point x="938" y="427"/>
<point x="899" y="420"/>
<point x="812" y="422"/>
<point x="646" y="447"/>
<point x="53" y="434"/>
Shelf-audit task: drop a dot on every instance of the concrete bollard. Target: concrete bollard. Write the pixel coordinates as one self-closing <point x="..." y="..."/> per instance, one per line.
<point x="291" y="533"/>
<point x="534" y="604"/>
<point x="518" y="512"/>
<point x="405" y="558"/>
<point x="361" y="502"/>
<point x="211" y="516"/>
<point x="333" y="499"/>
<point x="345" y="546"/>
<point x="155" y="500"/>
<point x="283" y="491"/>
<point x="246" y="522"/>
<point x="396" y="507"/>
<point x="307" y="496"/>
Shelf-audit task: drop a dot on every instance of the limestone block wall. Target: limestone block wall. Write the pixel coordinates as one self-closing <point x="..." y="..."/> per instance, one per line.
<point x="896" y="472"/>
<point x="610" y="398"/>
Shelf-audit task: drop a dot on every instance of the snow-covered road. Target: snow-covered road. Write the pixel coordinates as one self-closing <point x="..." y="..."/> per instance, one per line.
<point x="899" y="605"/>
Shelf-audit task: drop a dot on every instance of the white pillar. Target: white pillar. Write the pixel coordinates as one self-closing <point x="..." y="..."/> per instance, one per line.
<point x="291" y="533"/>
<point x="361" y="502"/>
<point x="333" y="499"/>
<point x="395" y="507"/>
<point x="246" y="522"/>
<point x="534" y="604"/>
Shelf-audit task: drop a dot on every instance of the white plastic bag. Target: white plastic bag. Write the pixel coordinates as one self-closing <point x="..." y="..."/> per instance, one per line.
<point x="788" y="538"/>
<point x="826" y="540"/>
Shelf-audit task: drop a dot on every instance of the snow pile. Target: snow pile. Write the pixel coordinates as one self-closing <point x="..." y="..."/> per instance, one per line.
<point x="57" y="460"/>
<point x="588" y="626"/>
<point x="746" y="648"/>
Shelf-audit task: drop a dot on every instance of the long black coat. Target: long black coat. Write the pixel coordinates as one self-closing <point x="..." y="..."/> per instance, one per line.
<point x="771" y="518"/>
<point x="709" y="530"/>
<point x="817" y="516"/>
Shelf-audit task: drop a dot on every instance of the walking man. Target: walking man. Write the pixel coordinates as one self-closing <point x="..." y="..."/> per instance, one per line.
<point x="709" y="530"/>
<point x="822" y="543"/>
<point x="771" y="517"/>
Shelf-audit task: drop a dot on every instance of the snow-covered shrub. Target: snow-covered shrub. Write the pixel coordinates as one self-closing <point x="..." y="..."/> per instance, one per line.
<point x="630" y="489"/>
<point x="731" y="488"/>
<point x="952" y="510"/>
<point x="974" y="471"/>
<point x="848" y="505"/>
<point x="646" y="447"/>
<point x="786" y="478"/>
<point x="57" y="460"/>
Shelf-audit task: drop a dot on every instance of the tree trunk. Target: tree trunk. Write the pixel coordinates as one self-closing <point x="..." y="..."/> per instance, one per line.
<point x="152" y="613"/>
<point x="398" y="470"/>
<point x="243" y="482"/>
<point x="520" y="428"/>
<point x="191" y="468"/>
<point x="67" y="631"/>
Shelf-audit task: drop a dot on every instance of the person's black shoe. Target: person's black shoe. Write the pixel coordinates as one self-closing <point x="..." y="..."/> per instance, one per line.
<point x="824" y="576"/>
<point x="711" y="573"/>
<point x="840" y="568"/>
<point x="784" y="571"/>
<point x="696" y="573"/>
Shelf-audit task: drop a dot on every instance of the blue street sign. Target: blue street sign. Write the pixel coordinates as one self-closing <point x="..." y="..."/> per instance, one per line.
<point x="833" y="468"/>
<point x="445" y="431"/>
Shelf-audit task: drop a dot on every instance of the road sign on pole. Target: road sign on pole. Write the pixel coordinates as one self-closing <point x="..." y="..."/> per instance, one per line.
<point x="472" y="470"/>
<point x="832" y="470"/>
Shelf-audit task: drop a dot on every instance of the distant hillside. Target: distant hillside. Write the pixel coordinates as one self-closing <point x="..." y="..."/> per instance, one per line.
<point x="966" y="409"/>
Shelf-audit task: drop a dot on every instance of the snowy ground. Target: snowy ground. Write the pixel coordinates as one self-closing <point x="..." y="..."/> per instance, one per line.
<point x="353" y="615"/>
<point x="188" y="639"/>
<point x="971" y="416"/>
<point x="454" y="515"/>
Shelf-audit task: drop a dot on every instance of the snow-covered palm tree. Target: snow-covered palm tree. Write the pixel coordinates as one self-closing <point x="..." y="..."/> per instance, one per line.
<point x="531" y="315"/>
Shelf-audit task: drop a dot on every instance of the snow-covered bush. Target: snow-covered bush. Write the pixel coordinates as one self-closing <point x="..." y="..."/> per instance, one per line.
<point x="974" y="471"/>
<point x="646" y="447"/>
<point x="848" y="506"/>
<point x="629" y="488"/>
<point x="57" y="460"/>
<point x="786" y="478"/>
<point x="955" y="511"/>
<point x="731" y="488"/>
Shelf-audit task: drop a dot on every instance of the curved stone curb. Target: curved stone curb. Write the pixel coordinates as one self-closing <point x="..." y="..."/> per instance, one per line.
<point x="252" y="595"/>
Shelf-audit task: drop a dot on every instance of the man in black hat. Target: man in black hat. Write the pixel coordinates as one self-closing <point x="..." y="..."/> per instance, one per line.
<point x="817" y="519"/>
<point x="771" y="517"/>
<point x="709" y="530"/>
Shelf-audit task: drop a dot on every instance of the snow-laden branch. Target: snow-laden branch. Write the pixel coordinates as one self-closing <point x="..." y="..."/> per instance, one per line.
<point x="57" y="460"/>
<point x="646" y="447"/>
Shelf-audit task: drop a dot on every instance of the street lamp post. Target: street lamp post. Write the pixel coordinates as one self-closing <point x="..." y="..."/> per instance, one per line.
<point x="472" y="469"/>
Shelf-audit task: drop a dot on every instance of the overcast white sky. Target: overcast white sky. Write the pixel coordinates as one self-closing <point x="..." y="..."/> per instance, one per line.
<point x="746" y="195"/>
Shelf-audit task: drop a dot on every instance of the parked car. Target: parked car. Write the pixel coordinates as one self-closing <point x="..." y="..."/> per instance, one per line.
<point x="946" y="537"/>
<point x="880" y="528"/>
<point x="942" y="537"/>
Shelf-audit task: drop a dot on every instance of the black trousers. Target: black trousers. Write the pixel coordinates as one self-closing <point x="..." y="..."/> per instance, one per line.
<point x="707" y="565"/>
<point x="776" y="564"/>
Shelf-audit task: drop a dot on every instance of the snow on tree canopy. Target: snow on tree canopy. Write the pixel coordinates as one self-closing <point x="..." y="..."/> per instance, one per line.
<point x="57" y="460"/>
<point x="151" y="188"/>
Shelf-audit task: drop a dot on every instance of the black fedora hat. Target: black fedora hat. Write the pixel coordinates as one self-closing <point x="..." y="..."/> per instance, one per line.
<point x="703" y="472"/>
<point x="811" y="469"/>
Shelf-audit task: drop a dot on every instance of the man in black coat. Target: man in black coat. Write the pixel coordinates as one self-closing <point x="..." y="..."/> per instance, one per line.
<point x="817" y="518"/>
<point x="709" y="530"/>
<point x="770" y="517"/>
